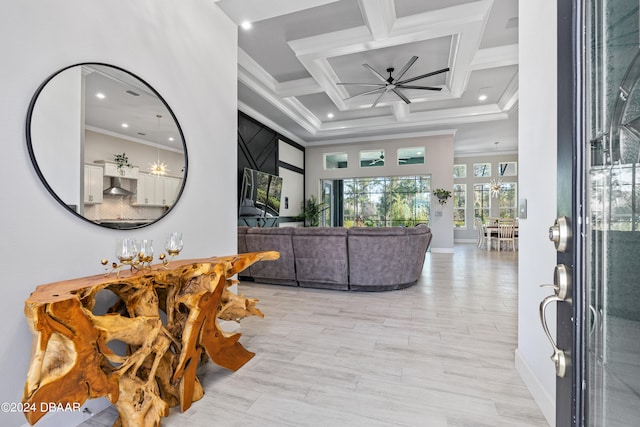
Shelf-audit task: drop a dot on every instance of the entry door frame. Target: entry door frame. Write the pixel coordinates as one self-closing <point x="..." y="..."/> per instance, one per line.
<point x="571" y="196"/>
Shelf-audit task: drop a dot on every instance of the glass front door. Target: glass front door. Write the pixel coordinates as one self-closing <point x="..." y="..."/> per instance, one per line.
<point x="612" y="297"/>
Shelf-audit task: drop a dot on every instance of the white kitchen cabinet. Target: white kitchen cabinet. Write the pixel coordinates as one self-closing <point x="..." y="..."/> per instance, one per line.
<point x="93" y="184"/>
<point x="111" y="169"/>
<point x="155" y="190"/>
<point x="170" y="188"/>
<point x="147" y="190"/>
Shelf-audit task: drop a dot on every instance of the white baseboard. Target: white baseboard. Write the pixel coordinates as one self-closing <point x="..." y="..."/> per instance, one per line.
<point x="542" y="398"/>
<point x="73" y="418"/>
<point x="441" y="250"/>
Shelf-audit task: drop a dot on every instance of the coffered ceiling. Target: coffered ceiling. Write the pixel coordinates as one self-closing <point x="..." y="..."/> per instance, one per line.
<point x="292" y="59"/>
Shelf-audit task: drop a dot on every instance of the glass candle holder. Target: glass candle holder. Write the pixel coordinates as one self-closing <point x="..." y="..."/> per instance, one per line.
<point x="126" y="250"/>
<point x="174" y="244"/>
<point x="145" y="252"/>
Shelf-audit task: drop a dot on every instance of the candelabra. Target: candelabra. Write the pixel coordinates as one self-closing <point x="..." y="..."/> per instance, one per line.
<point x="138" y="256"/>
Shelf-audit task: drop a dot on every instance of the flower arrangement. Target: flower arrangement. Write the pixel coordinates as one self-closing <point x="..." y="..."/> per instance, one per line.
<point x="442" y="195"/>
<point x="121" y="161"/>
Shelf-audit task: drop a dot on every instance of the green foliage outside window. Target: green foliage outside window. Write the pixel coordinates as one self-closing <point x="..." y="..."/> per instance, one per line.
<point x="459" y="205"/>
<point x="386" y="201"/>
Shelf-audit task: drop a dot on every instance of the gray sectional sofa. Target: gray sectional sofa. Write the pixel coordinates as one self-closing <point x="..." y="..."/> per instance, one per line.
<point x="358" y="259"/>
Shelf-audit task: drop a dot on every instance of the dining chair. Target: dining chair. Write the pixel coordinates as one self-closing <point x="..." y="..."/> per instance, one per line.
<point x="482" y="233"/>
<point x="506" y="233"/>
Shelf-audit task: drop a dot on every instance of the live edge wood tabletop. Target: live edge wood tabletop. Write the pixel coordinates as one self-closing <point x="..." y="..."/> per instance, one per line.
<point x="166" y="315"/>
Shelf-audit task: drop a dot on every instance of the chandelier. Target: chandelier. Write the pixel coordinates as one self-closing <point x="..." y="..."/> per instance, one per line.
<point x="495" y="185"/>
<point x="158" y="168"/>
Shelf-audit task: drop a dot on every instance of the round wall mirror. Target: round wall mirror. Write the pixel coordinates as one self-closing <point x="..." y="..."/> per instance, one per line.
<point x="106" y="146"/>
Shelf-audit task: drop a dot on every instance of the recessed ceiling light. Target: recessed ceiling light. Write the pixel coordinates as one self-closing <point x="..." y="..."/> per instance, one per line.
<point x="482" y="97"/>
<point x="330" y="115"/>
<point x="100" y="95"/>
<point x="246" y="25"/>
<point x="171" y="138"/>
<point x="125" y="125"/>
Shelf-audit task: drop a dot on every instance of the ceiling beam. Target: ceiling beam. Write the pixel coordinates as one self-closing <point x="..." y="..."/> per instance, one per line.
<point x="379" y="16"/>
<point x="400" y="111"/>
<point x="500" y="56"/>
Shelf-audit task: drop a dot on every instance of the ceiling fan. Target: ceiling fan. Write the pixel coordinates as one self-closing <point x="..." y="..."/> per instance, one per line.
<point x="393" y="84"/>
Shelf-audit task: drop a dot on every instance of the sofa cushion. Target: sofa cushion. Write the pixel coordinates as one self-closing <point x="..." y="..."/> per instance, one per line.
<point x="321" y="257"/>
<point x="242" y="248"/>
<point x="242" y="239"/>
<point x="281" y="271"/>
<point x="386" y="258"/>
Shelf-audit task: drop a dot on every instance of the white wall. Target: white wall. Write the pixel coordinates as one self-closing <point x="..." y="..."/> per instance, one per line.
<point x="187" y="51"/>
<point x="537" y="178"/>
<point x="292" y="182"/>
<point x="438" y="163"/>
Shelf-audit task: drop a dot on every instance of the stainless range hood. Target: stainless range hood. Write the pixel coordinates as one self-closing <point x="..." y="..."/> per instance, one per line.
<point x="116" y="189"/>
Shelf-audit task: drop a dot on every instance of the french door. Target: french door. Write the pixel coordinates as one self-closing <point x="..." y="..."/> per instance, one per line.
<point x="598" y="231"/>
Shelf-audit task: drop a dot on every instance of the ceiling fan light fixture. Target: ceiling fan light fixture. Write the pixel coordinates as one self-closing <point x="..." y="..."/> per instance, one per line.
<point x="394" y="84"/>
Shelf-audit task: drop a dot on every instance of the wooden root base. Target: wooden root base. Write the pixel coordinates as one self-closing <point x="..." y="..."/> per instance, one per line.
<point x="72" y="362"/>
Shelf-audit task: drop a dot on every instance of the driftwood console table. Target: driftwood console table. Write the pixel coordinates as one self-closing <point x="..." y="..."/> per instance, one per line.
<point x="166" y="316"/>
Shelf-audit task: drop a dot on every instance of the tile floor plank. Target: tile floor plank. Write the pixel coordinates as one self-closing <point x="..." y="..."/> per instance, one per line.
<point x="440" y="353"/>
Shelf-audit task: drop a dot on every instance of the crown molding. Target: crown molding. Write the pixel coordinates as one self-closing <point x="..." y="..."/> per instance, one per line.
<point x="268" y="122"/>
<point x="510" y="96"/>
<point x="388" y="137"/>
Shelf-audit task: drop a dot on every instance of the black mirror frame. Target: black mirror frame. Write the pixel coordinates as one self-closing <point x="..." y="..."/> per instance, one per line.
<point x="34" y="162"/>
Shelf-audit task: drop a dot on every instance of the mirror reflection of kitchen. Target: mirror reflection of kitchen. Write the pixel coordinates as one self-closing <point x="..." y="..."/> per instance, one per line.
<point x="107" y="146"/>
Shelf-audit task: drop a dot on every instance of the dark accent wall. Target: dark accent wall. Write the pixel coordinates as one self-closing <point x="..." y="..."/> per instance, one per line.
<point x="258" y="148"/>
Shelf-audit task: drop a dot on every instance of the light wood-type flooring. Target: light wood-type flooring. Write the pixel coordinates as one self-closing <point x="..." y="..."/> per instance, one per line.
<point x="440" y="353"/>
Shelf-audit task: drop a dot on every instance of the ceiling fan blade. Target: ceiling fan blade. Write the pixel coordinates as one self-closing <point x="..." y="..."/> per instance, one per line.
<point x="363" y="84"/>
<point x="378" y="99"/>
<point x="377" y="74"/>
<point x="433" y="73"/>
<point x="367" y="93"/>
<point x="419" y="87"/>
<point x="406" y="68"/>
<point x="404" y="98"/>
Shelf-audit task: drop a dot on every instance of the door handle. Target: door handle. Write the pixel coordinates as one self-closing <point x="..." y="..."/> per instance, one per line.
<point x="559" y="357"/>
<point x="560" y="233"/>
<point x="562" y="292"/>
<point x="561" y="282"/>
